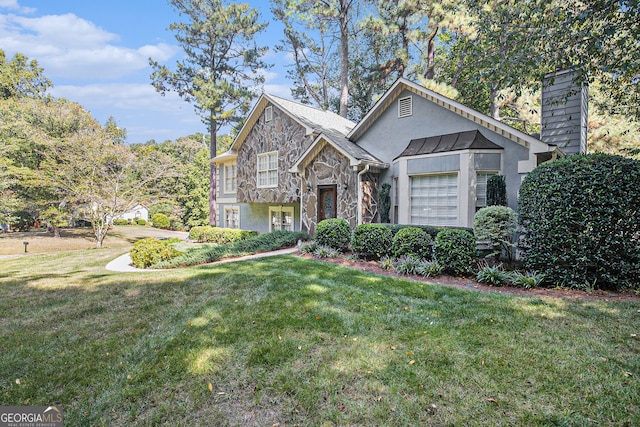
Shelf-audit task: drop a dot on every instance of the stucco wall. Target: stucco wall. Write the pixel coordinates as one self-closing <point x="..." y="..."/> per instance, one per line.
<point x="390" y="135"/>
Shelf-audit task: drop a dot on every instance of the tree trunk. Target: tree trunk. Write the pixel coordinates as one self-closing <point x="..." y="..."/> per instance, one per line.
<point x="212" y="176"/>
<point x="344" y="57"/>
<point x="493" y="99"/>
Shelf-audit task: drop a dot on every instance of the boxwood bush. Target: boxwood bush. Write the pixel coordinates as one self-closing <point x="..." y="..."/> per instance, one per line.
<point x="455" y="250"/>
<point x="160" y="220"/>
<point x="219" y="235"/>
<point x="581" y="217"/>
<point x="412" y="241"/>
<point x="334" y="233"/>
<point x="371" y="241"/>
<point x="149" y="251"/>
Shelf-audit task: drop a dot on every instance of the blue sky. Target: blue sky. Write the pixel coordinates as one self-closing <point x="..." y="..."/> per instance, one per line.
<point x="96" y="53"/>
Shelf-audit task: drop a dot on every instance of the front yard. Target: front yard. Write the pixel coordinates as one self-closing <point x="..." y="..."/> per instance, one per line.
<point x="300" y="342"/>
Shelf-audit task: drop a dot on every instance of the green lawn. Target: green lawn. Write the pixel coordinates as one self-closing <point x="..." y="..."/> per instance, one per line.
<point x="298" y="342"/>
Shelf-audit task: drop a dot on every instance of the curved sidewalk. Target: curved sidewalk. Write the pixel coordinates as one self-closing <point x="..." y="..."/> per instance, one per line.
<point x="123" y="263"/>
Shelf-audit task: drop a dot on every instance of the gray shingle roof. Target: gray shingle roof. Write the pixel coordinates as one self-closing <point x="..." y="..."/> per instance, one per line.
<point x="314" y="118"/>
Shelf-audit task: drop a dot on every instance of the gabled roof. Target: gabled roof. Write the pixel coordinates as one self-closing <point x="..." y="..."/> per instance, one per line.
<point x="490" y="123"/>
<point x="357" y="155"/>
<point x="468" y="140"/>
<point x="313" y="120"/>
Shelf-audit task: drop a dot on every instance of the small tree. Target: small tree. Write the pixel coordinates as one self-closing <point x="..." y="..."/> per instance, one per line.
<point x="55" y="217"/>
<point x="385" y="203"/>
<point x="496" y="225"/>
<point x="496" y="191"/>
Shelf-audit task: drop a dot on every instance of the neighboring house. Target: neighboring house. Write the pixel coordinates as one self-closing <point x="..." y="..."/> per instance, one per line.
<point x="135" y="213"/>
<point x="292" y="165"/>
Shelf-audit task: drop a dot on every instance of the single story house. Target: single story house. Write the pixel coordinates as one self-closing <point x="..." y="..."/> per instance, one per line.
<point x="292" y="165"/>
<point x="135" y="213"/>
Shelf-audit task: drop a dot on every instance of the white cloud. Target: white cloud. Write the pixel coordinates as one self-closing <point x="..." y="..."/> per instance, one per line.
<point x="13" y="5"/>
<point x="71" y="47"/>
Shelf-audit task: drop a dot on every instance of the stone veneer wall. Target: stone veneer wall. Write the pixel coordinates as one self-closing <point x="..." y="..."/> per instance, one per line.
<point x="370" y="198"/>
<point x="329" y="168"/>
<point x="283" y="135"/>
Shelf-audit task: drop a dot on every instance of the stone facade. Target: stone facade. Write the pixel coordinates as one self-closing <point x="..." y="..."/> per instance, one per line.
<point x="329" y="167"/>
<point x="370" y="198"/>
<point x="288" y="138"/>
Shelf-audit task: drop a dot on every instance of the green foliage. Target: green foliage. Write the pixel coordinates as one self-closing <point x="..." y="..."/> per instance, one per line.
<point x="22" y="221"/>
<point x="429" y="269"/>
<point x="429" y="229"/>
<point x="496" y="225"/>
<point x="528" y="280"/>
<point x="149" y="251"/>
<point x="386" y="262"/>
<point x="581" y="217"/>
<point x="496" y="191"/>
<point x="121" y="221"/>
<point x="334" y="233"/>
<point x="221" y="236"/>
<point x="20" y="77"/>
<point x="160" y="220"/>
<point x="407" y="265"/>
<point x="493" y="275"/>
<point x="384" y="203"/>
<point x="371" y="240"/>
<point x="412" y="241"/>
<point x="326" y="252"/>
<point x="455" y="250"/>
<point x="308" y="247"/>
<point x="261" y="243"/>
<point x="141" y="221"/>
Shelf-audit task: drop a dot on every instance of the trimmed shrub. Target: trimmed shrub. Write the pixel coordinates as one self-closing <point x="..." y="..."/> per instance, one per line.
<point x="261" y="243"/>
<point x="120" y="221"/>
<point x="431" y="230"/>
<point x="22" y="221"/>
<point x="371" y="241"/>
<point x="334" y="233"/>
<point x="496" y="191"/>
<point x="412" y="241"/>
<point x="221" y="236"/>
<point x="455" y="250"/>
<point x="149" y="251"/>
<point x="496" y="225"/>
<point x="141" y="221"/>
<point x="160" y="220"/>
<point x="581" y="221"/>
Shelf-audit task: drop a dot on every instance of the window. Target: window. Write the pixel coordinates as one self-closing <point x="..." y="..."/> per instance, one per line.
<point x="405" y="107"/>
<point x="230" y="178"/>
<point x="232" y="217"/>
<point x="268" y="170"/>
<point x="268" y="114"/>
<point x="434" y="199"/>
<point x="281" y="218"/>
<point x="481" y="188"/>
<point x="396" y="200"/>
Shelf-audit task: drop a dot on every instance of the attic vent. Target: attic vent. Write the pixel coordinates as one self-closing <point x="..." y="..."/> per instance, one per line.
<point x="405" y="107"/>
<point x="268" y="114"/>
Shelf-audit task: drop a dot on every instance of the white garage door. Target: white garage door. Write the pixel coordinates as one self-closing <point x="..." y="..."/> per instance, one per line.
<point x="434" y="199"/>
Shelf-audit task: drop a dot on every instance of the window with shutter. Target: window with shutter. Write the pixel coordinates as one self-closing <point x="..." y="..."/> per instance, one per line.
<point x="268" y="114"/>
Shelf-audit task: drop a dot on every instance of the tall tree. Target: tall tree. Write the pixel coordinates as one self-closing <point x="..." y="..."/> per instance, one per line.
<point x="21" y="78"/>
<point x="222" y="63"/>
<point x="336" y="18"/>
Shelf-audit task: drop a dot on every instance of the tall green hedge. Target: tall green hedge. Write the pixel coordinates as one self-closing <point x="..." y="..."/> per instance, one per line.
<point x="581" y="216"/>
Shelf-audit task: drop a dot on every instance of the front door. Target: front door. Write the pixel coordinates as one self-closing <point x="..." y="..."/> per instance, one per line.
<point x="326" y="202"/>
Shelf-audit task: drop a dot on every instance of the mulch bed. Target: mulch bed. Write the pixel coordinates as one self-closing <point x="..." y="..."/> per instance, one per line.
<point x="472" y="284"/>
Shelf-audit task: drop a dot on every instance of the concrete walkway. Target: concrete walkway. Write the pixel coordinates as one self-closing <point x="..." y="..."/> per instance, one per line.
<point x="123" y="263"/>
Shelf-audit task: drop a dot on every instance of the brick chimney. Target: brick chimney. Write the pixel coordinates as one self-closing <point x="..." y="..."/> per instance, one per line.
<point x="564" y="112"/>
